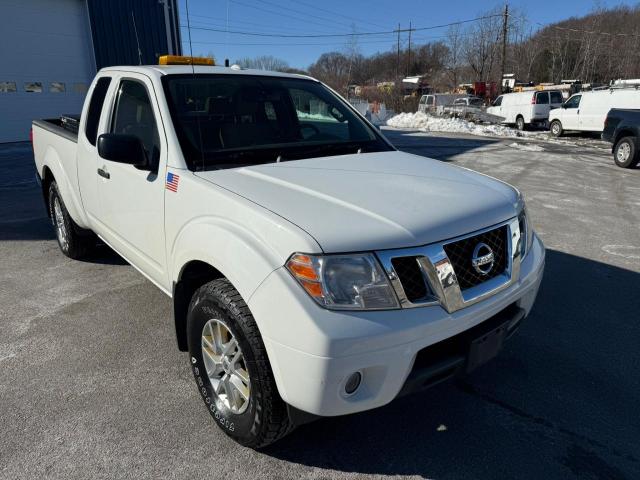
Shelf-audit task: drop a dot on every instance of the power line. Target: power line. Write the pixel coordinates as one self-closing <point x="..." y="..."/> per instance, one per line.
<point x="591" y="32"/>
<point x="331" y="21"/>
<point x="325" y="23"/>
<point x="335" y="13"/>
<point x="295" y="44"/>
<point x="353" y="34"/>
<point x="235" y="24"/>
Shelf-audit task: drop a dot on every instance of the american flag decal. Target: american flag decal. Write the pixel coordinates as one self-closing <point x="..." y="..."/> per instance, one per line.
<point x="172" y="182"/>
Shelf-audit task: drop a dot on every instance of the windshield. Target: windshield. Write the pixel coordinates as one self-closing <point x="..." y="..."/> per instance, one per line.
<point x="225" y="121"/>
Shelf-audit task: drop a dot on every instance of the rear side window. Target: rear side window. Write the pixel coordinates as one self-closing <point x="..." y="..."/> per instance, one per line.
<point x="134" y="116"/>
<point x="542" y="98"/>
<point x="95" y="107"/>
<point x="556" y="97"/>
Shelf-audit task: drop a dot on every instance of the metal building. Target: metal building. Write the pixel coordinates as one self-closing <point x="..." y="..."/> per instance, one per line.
<point x="50" y="51"/>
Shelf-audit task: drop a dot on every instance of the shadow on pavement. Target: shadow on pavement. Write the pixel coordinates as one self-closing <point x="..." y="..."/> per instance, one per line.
<point x="441" y="148"/>
<point x="560" y="401"/>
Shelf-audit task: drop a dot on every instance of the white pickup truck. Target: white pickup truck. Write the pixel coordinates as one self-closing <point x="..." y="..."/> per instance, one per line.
<point x="314" y="269"/>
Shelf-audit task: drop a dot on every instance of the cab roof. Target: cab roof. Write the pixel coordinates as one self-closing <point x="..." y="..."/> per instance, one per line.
<point x="162" y="70"/>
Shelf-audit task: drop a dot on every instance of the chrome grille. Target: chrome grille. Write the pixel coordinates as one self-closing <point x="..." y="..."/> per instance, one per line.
<point x="410" y="275"/>
<point x="460" y="254"/>
<point x="443" y="273"/>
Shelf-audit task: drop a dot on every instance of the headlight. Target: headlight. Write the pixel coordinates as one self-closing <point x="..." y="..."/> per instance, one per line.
<point x="526" y="231"/>
<point x="344" y="282"/>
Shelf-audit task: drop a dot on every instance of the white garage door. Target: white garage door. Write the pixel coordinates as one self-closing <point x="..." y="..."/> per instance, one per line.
<point x="46" y="62"/>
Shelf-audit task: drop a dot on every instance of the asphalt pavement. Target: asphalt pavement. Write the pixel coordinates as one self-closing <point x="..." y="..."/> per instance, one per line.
<point x="92" y="384"/>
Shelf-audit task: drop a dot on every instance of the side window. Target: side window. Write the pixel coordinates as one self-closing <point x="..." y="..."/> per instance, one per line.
<point x="133" y="115"/>
<point x="95" y="107"/>
<point x="556" y="97"/>
<point x="7" y="87"/>
<point x="542" y="98"/>
<point x="57" y="87"/>
<point x="317" y="118"/>
<point x="498" y="101"/>
<point x="33" y="87"/>
<point x="573" y="102"/>
<point x="430" y="100"/>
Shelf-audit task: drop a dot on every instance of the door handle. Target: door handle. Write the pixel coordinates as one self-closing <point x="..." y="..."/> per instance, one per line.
<point x="104" y="173"/>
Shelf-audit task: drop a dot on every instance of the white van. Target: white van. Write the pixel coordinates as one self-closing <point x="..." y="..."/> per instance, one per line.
<point x="437" y="101"/>
<point x="586" y="111"/>
<point x="526" y="108"/>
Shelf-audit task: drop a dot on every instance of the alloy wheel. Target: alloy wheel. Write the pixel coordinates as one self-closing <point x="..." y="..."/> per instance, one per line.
<point x="623" y="152"/>
<point x="225" y="366"/>
<point x="61" y="228"/>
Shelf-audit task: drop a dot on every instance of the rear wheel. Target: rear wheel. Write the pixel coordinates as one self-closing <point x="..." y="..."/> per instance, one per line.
<point x="625" y="153"/>
<point x="556" y="128"/>
<point x="231" y="367"/>
<point x="73" y="241"/>
<point x="520" y="125"/>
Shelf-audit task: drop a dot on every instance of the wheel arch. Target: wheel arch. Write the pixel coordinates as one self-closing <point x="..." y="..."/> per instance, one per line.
<point x="192" y="276"/>
<point x="624" y="132"/>
<point x="62" y="171"/>
<point x="208" y="249"/>
<point x="46" y="180"/>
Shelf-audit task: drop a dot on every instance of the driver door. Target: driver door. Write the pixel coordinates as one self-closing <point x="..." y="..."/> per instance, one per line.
<point x="132" y="200"/>
<point x="571" y="113"/>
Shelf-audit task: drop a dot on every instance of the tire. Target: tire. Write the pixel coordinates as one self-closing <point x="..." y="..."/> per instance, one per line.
<point x="520" y="125"/>
<point x="625" y="153"/>
<point x="556" y="128"/>
<point x="253" y="415"/>
<point x="73" y="241"/>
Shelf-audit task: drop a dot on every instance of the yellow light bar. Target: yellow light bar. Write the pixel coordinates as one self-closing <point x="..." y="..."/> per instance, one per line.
<point x="182" y="60"/>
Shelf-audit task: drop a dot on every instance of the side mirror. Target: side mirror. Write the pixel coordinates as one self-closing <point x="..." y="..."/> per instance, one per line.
<point x="121" y="148"/>
<point x="564" y="105"/>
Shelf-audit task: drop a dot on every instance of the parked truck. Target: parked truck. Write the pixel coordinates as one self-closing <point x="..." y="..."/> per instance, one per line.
<point x="314" y="269"/>
<point x="622" y="129"/>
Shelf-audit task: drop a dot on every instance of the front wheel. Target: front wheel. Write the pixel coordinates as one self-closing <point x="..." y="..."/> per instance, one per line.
<point x="520" y="125"/>
<point x="231" y="368"/>
<point x="556" y="128"/>
<point x="625" y="153"/>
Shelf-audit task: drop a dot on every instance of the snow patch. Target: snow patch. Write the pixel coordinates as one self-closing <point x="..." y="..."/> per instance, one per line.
<point x="527" y="147"/>
<point x="427" y="123"/>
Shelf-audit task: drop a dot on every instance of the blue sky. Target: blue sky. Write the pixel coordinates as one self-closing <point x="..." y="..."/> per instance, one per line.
<point x="311" y="17"/>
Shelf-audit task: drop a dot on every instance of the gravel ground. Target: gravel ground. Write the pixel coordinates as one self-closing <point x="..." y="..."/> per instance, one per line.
<point x="92" y="385"/>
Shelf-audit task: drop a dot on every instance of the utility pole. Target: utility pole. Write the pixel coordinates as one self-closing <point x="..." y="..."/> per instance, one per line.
<point x="398" y="61"/>
<point x="409" y="59"/>
<point x="505" y="27"/>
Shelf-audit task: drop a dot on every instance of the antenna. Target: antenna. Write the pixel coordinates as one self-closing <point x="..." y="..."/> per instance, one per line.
<point x="135" y="30"/>
<point x="193" y="72"/>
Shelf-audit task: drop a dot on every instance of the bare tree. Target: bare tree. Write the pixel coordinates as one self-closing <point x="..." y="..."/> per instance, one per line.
<point x="264" y="62"/>
<point x="481" y="45"/>
<point x="454" y="57"/>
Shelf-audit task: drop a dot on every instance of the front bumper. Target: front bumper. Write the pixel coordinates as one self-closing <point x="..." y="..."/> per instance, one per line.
<point x="313" y="351"/>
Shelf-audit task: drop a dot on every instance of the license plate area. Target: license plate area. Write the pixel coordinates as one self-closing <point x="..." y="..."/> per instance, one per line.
<point x="485" y="347"/>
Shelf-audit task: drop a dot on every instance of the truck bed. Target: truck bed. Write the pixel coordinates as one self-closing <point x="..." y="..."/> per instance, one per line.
<point x="55" y="125"/>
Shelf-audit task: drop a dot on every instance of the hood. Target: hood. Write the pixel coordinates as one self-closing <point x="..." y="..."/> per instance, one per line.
<point x="373" y="201"/>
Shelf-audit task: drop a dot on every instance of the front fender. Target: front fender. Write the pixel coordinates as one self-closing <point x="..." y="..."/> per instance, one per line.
<point x="235" y="252"/>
